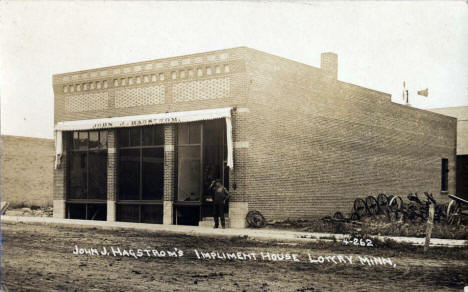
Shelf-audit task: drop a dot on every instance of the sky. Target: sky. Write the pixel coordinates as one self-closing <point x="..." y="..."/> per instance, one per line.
<point x="379" y="44"/>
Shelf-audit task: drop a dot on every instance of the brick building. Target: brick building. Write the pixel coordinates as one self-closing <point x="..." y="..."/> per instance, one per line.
<point x="140" y="142"/>
<point x="26" y="171"/>
<point x="461" y="114"/>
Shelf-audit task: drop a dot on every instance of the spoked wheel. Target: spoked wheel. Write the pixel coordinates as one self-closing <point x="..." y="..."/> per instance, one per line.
<point x="354" y="216"/>
<point x="454" y="213"/>
<point x="395" y="203"/>
<point x="382" y="200"/>
<point x="372" y="205"/>
<point x="393" y="215"/>
<point x="430" y="198"/>
<point x="440" y="213"/>
<point x="338" y="216"/>
<point x="394" y="208"/>
<point x="360" y="207"/>
<point x="255" y="219"/>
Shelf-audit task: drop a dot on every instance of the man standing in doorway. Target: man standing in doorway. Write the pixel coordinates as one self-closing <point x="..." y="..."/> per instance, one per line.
<point x="220" y="196"/>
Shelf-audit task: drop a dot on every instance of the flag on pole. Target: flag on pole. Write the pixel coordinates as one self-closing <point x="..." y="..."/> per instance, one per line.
<point x="424" y="92"/>
<point x="405" y="93"/>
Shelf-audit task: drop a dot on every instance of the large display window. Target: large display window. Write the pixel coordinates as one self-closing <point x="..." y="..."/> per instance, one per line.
<point x="87" y="175"/>
<point x="140" y="174"/>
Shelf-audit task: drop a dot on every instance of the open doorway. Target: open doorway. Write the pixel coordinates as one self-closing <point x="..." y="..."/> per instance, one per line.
<point x="201" y="158"/>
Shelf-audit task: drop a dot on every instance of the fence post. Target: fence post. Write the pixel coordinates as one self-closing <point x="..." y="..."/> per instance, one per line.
<point x="430" y="223"/>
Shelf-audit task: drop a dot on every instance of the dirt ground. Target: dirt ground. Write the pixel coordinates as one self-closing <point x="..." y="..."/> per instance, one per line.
<point x="40" y="258"/>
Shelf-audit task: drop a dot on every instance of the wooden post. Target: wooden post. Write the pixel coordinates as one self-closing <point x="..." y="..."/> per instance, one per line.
<point x="430" y="223"/>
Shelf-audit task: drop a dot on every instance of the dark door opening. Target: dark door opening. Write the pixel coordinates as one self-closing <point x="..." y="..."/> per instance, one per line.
<point x="462" y="176"/>
<point x="201" y="158"/>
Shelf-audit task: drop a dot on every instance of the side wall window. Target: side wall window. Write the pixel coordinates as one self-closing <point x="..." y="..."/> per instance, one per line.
<point x="444" y="175"/>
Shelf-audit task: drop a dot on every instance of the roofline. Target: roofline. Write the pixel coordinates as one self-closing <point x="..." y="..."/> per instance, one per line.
<point x="449" y="107"/>
<point x="424" y="110"/>
<point x="25" y="137"/>
<point x="146" y="61"/>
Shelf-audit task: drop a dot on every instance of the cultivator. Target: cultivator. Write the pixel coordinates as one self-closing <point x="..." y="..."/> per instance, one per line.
<point x="395" y="209"/>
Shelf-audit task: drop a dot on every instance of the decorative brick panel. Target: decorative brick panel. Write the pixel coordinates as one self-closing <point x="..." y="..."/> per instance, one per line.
<point x="139" y="96"/>
<point x="201" y="89"/>
<point x="86" y="102"/>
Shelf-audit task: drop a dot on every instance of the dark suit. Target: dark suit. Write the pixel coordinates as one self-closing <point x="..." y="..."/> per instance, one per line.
<point x="220" y="196"/>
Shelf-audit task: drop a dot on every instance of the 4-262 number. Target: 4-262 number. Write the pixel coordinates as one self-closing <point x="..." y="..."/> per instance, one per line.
<point x="358" y="242"/>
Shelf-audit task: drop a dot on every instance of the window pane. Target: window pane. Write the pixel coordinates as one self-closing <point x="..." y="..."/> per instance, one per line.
<point x="158" y="135"/>
<point x="97" y="212"/>
<point x="76" y="141"/>
<point x="128" y="213"/>
<point x="189" y="173"/>
<point x="152" y="214"/>
<point x="189" y="151"/>
<point x="129" y="174"/>
<point x="213" y="132"/>
<point x="103" y="139"/>
<point x="97" y="178"/>
<point x="83" y="140"/>
<point x="77" y="176"/>
<point x="135" y="136"/>
<point x="148" y="136"/>
<point x="212" y="166"/>
<point x="76" y="211"/>
<point x="183" y="136"/>
<point x="93" y="139"/>
<point x="153" y="174"/>
<point x="194" y="133"/>
<point x="123" y="137"/>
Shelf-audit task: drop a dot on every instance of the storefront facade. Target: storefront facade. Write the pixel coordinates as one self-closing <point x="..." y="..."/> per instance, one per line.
<point x="141" y="142"/>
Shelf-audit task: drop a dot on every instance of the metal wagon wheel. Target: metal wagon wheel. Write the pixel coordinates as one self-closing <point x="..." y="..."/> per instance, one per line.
<point x="382" y="200"/>
<point x="338" y="216"/>
<point x="441" y="212"/>
<point x="255" y="219"/>
<point x="372" y="205"/>
<point x="394" y="207"/>
<point x="354" y="216"/>
<point x="395" y="203"/>
<point x="454" y="212"/>
<point x="360" y="207"/>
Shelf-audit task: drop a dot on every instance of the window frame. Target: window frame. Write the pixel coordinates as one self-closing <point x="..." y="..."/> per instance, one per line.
<point x="140" y="202"/>
<point x="72" y="148"/>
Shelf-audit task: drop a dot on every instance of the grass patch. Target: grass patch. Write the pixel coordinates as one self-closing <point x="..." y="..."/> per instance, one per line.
<point x="377" y="225"/>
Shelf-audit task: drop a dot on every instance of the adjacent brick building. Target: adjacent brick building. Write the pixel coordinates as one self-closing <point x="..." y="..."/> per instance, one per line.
<point x="461" y="114"/>
<point x="26" y="171"/>
<point x="304" y="144"/>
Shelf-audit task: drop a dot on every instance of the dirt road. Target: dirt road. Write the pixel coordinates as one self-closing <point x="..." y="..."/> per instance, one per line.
<point x="42" y="258"/>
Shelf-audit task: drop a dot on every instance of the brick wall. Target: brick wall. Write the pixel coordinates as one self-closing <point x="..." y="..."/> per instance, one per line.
<point x="27" y="170"/>
<point x="165" y="85"/>
<point x="461" y="113"/>
<point x="305" y="144"/>
<point x="223" y="83"/>
<point x="317" y="143"/>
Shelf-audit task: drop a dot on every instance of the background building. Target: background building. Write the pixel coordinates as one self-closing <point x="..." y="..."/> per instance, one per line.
<point x="141" y="141"/>
<point x="461" y="113"/>
<point x="26" y="171"/>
